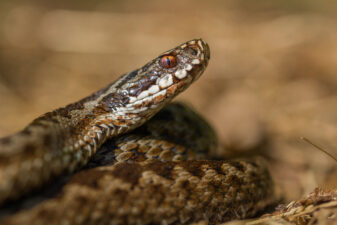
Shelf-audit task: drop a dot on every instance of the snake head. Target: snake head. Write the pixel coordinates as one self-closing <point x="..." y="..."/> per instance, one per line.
<point x="167" y="75"/>
<point x="144" y="91"/>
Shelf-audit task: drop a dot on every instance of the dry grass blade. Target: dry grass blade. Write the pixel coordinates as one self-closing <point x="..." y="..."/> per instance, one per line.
<point x="319" y="148"/>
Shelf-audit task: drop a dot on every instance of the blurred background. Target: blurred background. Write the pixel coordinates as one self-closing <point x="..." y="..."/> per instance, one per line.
<point x="272" y="77"/>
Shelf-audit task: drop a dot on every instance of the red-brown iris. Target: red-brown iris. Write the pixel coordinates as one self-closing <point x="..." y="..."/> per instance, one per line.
<point x="168" y="61"/>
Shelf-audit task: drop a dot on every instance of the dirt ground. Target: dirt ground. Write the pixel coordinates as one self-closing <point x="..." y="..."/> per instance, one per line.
<point x="272" y="77"/>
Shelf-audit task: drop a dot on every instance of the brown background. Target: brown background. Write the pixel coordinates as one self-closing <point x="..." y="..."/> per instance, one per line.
<point x="272" y="74"/>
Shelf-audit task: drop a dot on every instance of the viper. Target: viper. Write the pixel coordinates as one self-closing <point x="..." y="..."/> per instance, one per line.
<point x="137" y="159"/>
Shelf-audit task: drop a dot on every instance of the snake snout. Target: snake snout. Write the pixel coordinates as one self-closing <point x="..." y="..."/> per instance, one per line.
<point x="198" y="49"/>
<point x="207" y="52"/>
<point x="197" y="55"/>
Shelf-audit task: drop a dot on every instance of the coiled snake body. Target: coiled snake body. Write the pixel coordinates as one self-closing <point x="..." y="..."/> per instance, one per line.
<point x="158" y="173"/>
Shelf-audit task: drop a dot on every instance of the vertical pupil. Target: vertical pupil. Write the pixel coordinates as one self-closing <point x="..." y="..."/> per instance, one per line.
<point x="168" y="61"/>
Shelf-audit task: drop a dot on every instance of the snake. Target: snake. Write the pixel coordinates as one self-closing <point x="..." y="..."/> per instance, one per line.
<point x="126" y="155"/>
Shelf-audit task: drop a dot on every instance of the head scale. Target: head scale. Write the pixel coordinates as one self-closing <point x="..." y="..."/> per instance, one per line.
<point x="144" y="91"/>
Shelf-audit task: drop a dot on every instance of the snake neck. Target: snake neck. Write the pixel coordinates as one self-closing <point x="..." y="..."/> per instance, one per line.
<point x="74" y="133"/>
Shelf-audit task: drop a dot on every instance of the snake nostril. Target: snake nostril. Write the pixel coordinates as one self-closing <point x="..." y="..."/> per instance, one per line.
<point x="193" y="50"/>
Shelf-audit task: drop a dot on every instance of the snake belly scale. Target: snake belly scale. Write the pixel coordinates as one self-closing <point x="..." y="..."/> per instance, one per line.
<point x="133" y="182"/>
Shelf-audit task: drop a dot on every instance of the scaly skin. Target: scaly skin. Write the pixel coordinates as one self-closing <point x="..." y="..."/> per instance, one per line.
<point x="64" y="140"/>
<point x="137" y="177"/>
<point x="159" y="173"/>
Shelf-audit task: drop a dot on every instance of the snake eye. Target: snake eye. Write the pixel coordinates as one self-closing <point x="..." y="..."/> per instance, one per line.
<point x="168" y="61"/>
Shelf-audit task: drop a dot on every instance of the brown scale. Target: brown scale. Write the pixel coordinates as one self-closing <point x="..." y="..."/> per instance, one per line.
<point x="142" y="171"/>
<point x="157" y="193"/>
